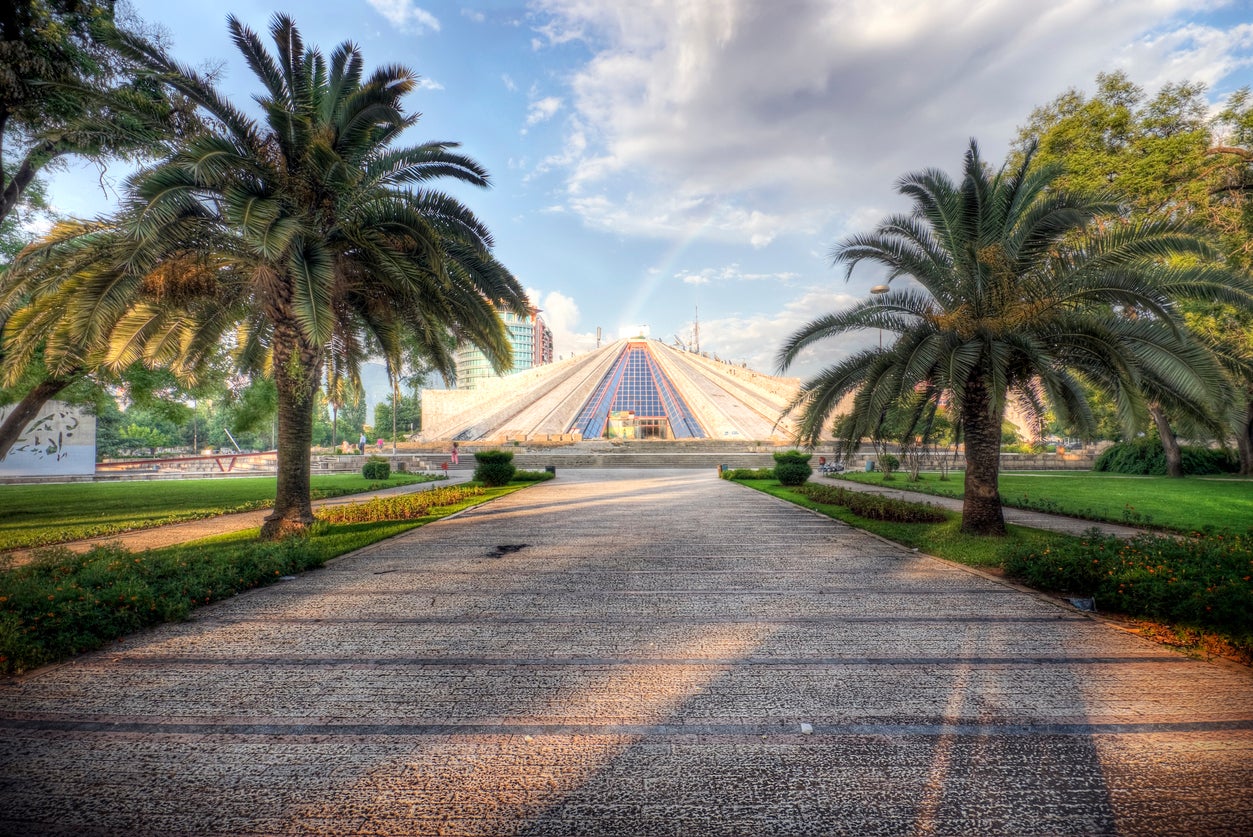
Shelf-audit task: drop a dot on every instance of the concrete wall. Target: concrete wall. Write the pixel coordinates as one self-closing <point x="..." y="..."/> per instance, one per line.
<point x="61" y="442"/>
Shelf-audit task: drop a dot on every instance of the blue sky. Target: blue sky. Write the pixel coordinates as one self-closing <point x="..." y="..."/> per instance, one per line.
<point x="652" y="156"/>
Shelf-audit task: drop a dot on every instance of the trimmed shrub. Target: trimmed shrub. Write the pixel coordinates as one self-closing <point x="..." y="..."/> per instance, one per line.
<point x="792" y="467"/>
<point x="1146" y="457"/>
<point x="888" y="463"/>
<point x="748" y="473"/>
<point x="376" y="468"/>
<point x="495" y="467"/>
<point x="532" y="476"/>
<point x="874" y="506"/>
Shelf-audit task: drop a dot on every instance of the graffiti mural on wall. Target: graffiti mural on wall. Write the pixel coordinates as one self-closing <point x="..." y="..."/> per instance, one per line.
<point x="48" y="436"/>
<point x="62" y="441"/>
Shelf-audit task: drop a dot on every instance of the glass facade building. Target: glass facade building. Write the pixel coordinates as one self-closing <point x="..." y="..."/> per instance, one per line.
<point x="529" y="338"/>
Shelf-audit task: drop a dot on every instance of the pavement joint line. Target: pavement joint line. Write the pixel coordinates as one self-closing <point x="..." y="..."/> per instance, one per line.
<point x="829" y="591"/>
<point x="481" y="619"/>
<point x="606" y="662"/>
<point x="938" y="727"/>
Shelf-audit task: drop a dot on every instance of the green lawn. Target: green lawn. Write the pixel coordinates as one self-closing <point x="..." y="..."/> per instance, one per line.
<point x="38" y="515"/>
<point x="1185" y="505"/>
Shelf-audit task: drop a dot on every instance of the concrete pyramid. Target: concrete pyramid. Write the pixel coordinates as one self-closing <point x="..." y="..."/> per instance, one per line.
<point x="628" y="389"/>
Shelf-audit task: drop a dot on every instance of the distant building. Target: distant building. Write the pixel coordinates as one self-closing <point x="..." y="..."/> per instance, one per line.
<point x="543" y="343"/>
<point x="529" y="338"/>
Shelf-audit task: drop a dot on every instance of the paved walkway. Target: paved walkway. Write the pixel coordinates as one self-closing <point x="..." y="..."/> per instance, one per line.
<point x="631" y="653"/>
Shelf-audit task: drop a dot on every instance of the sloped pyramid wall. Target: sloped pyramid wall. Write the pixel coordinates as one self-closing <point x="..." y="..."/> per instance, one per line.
<point x="730" y="402"/>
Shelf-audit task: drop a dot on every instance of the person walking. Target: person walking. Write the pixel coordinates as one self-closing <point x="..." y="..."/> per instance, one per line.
<point x="361" y="443"/>
<point x="456" y="454"/>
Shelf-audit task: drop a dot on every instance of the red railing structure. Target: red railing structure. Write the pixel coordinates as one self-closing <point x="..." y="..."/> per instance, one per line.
<point x="225" y="463"/>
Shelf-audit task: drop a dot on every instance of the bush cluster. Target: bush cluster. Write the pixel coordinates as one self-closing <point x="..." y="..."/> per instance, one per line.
<point x="64" y="603"/>
<point x="398" y="506"/>
<point x="874" y="506"/>
<point x="532" y="476"/>
<point x="1146" y="457"/>
<point x="376" y="468"/>
<point x="1204" y="581"/>
<point x="748" y="473"/>
<point x="792" y="467"/>
<point x="495" y="467"/>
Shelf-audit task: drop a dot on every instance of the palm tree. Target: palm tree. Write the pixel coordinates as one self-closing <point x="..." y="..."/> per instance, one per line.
<point x="1014" y="295"/>
<point x="313" y="236"/>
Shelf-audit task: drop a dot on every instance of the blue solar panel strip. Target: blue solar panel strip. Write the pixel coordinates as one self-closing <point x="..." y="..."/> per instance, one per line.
<point x="592" y="418"/>
<point x="683" y="424"/>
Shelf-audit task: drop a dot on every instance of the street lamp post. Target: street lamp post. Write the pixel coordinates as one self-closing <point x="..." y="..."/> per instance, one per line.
<point x="877" y="290"/>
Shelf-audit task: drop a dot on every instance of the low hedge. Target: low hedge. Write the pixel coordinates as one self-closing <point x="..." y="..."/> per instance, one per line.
<point x="532" y="476"/>
<point x="1203" y="581"/>
<point x="873" y="506"/>
<point x="65" y="603"/>
<point x="1145" y="457"/>
<point x="747" y="473"/>
<point x="376" y="468"/>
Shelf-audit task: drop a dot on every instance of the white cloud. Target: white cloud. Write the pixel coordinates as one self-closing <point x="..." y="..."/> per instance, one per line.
<point x="510" y="85"/>
<point x="730" y="120"/>
<point x="429" y="84"/>
<point x="542" y="110"/>
<point x="473" y="15"/>
<point x="403" y="14"/>
<point x="731" y="273"/>
<point x="756" y="339"/>
<point x="561" y="314"/>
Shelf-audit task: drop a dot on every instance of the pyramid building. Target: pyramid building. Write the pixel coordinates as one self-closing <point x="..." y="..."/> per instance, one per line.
<point x="629" y="389"/>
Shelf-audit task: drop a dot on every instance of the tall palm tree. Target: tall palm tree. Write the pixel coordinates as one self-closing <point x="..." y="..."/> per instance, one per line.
<point x="1013" y="295"/>
<point x="314" y="236"/>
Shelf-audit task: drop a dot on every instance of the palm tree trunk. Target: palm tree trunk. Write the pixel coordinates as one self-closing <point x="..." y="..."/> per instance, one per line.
<point x="1170" y="444"/>
<point x="981" y="507"/>
<point x="1244" y="439"/>
<point x="26" y="411"/>
<point x="295" y="379"/>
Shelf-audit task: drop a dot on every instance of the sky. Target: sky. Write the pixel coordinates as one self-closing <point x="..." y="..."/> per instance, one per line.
<point x="653" y="161"/>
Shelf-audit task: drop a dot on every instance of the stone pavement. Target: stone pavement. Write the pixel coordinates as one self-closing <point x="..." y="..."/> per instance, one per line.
<point x="631" y="653"/>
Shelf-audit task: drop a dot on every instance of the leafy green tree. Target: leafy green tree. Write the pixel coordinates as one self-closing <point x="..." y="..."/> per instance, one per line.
<point x="66" y="90"/>
<point x="1010" y="298"/>
<point x="1229" y="329"/>
<point x="143" y="437"/>
<point x="1151" y="152"/>
<point x="408" y="417"/>
<point x="305" y="236"/>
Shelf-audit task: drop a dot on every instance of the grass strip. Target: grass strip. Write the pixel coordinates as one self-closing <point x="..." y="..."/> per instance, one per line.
<point x="1195" y="592"/>
<point x="63" y="603"/>
<point x="41" y="515"/>
<point x="1192" y="504"/>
